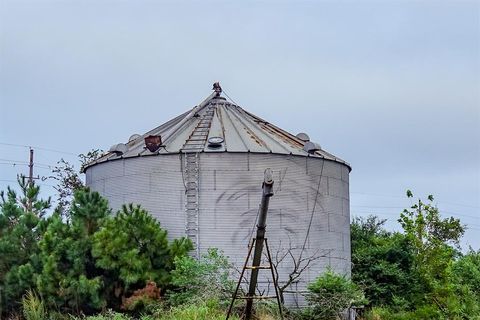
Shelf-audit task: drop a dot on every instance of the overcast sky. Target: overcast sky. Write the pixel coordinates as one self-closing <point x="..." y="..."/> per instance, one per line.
<point x="392" y="87"/>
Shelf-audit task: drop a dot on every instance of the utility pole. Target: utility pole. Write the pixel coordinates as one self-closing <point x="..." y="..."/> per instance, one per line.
<point x="30" y="166"/>
<point x="30" y="178"/>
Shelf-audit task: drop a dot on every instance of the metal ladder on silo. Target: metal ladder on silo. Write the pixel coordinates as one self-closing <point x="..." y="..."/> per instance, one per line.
<point x="193" y="145"/>
<point x="191" y="176"/>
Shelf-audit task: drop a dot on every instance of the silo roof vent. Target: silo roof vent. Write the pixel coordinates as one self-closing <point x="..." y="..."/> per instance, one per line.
<point x="215" y="142"/>
<point x="134" y="137"/>
<point x="311" y="147"/>
<point x="303" y="136"/>
<point x="118" y="149"/>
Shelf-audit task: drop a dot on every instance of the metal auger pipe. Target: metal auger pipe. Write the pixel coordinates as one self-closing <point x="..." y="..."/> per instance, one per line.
<point x="259" y="239"/>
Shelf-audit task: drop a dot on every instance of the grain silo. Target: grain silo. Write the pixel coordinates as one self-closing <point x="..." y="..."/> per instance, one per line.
<point x="200" y="174"/>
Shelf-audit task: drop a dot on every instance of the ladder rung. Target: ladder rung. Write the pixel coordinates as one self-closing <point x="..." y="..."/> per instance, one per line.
<point x="257" y="267"/>
<point x="188" y="144"/>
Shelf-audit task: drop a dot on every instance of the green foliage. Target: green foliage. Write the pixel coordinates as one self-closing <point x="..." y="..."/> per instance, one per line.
<point x="434" y="242"/>
<point x="68" y="181"/>
<point x="466" y="271"/>
<point x="466" y="280"/>
<point x="133" y="248"/>
<point x="421" y="313"/>
<point x="109" y="315"/>
<point x="81" y="259"/>
<point x="330" y="294"/>
<point x="33" y="307"/>
<point x="382" y="262"/>
<point x="207" y="310"/>
<point x="21" y="227"/>
<point x="418" y="274"/>
<point x="69" y="279"/>
<point x="200" y="280"/>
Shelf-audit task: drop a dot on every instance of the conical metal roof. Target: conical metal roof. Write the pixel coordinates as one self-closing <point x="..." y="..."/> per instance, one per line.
<point x="216" y="125"/>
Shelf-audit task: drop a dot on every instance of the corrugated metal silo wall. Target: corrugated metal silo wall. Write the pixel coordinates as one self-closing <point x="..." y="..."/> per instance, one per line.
<point x="230" y="192"/>
<point x="154" y="182"/>
<point x="230" y="187"/>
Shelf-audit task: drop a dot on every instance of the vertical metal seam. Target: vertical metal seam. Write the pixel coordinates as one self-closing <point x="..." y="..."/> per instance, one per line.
<point x="227" y="111"/>
<point x="249" y="128"/>
<point x="239" y="109"/>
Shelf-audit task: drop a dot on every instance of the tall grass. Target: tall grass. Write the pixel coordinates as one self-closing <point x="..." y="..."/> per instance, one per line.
<point x="33" y="307"/>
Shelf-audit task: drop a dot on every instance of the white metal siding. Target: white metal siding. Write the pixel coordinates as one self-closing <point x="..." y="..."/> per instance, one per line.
<point x="229" y="196"/>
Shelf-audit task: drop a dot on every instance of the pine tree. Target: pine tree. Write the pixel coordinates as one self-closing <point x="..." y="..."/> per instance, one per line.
<point x="134" y="249"/>
<point x="69" y="279"/>
<point x="21" y="227"/>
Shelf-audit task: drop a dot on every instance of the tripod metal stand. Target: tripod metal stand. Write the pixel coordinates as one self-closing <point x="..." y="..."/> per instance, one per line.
<point x="258" y="243"/>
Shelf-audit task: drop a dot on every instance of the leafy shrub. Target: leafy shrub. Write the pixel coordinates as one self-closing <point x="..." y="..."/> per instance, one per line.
<point x="143" y="298"/>
<point x="330" y="294"/>
<point x="382" y="262"/>
<point x="33" y="307"/>
<point x="201" y="280"/>
<point x="466" y="276"/>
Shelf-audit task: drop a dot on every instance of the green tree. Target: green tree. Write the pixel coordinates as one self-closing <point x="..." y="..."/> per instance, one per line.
<point x="382" y="262"/>
<point x="68" y="180"/>
<point x="466" y="278"/>
<point x="435" y="241"/>
<point x="21" y="227"/>
<point x="133" y="248"/>
<point x="69" y="279"/>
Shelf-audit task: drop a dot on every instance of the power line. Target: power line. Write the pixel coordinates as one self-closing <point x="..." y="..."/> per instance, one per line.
<point x="223" y="90"/>
<point x="399" y="197"/>
<point x="39" y="183"/>
<point x="19" y="162"/>
<point x="389" y="215"/>
<point x="37" y="147"/>
<point x="392" y="213"/>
